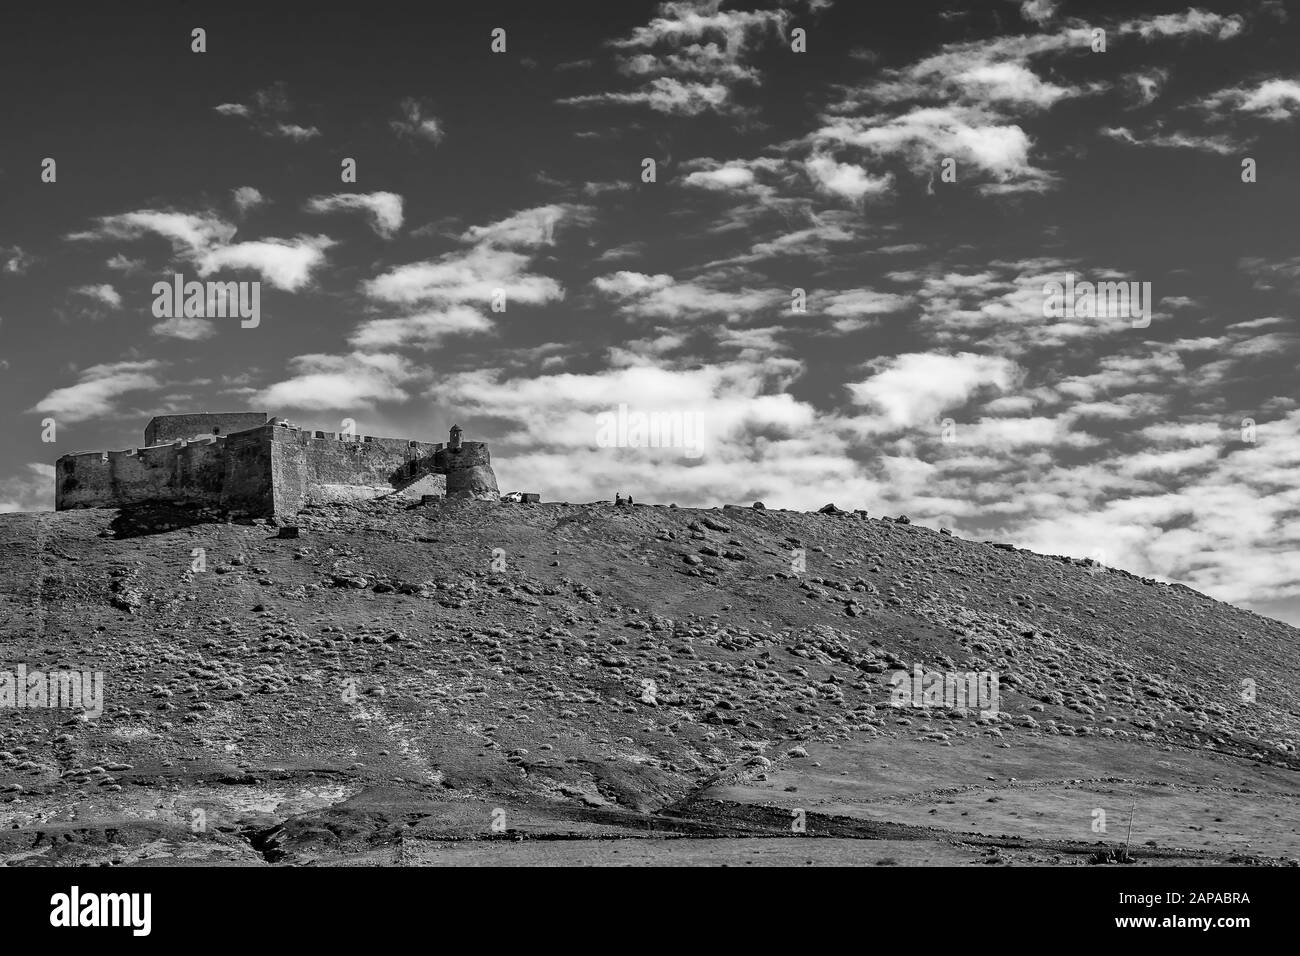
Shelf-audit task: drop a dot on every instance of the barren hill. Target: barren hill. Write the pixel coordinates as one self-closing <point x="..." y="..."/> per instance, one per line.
<point x="480" y="682"/>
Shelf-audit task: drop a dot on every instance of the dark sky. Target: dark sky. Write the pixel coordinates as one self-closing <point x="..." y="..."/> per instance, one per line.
<point x="924" y="375"/>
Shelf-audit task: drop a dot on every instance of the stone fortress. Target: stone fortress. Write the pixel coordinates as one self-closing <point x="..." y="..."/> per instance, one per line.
<point x="251" y="465"/>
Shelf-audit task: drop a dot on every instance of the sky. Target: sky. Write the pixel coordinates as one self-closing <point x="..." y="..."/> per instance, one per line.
<point x="833" y="281"/>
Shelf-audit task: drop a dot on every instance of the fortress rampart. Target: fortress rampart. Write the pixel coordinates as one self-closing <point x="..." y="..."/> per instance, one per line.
<point x="167" y="428"/>
<point x="274" y="468"/>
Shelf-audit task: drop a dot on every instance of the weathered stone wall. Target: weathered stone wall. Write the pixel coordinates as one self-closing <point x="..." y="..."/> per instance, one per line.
<point x="247" y="486"/>
<point x="271" y="469"/>
<point x="312" y="467"/>
<point x="190" y="472"/>
<point x="468" y="470"/>
<point x="165" y="428"/>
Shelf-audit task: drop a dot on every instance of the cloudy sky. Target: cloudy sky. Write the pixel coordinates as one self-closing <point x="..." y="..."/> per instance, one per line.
<point x="917" y="370"/>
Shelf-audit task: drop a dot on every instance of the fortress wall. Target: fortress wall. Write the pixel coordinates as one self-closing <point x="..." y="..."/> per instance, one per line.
<point x="271" y="469"/>
<point x="468" y="470"/>
<point x="166" y="428"/>
<point x="288" y="474"/>
<point x="188" y="473"/>
<point x="247" y="489"/>
<point x="310" y="469"/>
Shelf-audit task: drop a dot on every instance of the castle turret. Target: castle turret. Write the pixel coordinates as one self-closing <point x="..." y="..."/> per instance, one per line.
<point x="468" y="468"/>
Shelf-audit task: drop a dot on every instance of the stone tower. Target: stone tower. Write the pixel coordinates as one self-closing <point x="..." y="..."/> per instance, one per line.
<point x="468" y="468"/>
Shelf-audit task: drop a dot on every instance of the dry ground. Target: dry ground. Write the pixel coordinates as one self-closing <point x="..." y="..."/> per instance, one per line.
<point x="478" y="683"/>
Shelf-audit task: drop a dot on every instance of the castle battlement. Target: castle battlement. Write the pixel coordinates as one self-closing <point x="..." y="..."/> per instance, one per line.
<point x="273" y="467"/>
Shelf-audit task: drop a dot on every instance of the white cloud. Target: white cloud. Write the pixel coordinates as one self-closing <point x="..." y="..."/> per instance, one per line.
<point x="927" y="135"/>
<point x="188" y="232"/>
<point x="295" y="132"/>
<point x="423" y="329"/>
<point x="845" y="179"/>
<point x="1275" y="99"/>
<point x="204" y="239"/>
<point x="285" y="263"/>
<point x="757" y="440"/>
<point x="1147" y="84"/>
<point x="854" y="302"/>
<point x="384" y="209"/>
<point x="664" y="95"/>
<point x="965" y="102"/>
<point x="1006" y="434"/>
<point x="16" y="261"/>
<point x="690" y="57"/>
<point x="186" y="328"/>
<point x="416" y="123"/>
<point x="1038" y="11"/>
<point x="121" y="263"/>
<point x="857" y="308"/>
<point x="268" y="104"/>
<point x="30" y="490"/>
<point x="912" y="389"/>
<point x="662" y="296"/>
<point x="1009" y="82"/>
<point x="625" y="284"/>
<point x="1189" y="23"/>
<point x="470" y="276"/>
<point x="722" y="178"/>
<point x="104" y="294"/>
<point x="528" y="228"/>
<point x="246" y="198"/>
<point x="92" y="396"/>
<point x="355" y="381"/>
<point x="1222" y="145"/>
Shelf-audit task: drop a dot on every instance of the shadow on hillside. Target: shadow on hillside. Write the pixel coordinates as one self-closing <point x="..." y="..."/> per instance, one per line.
<point x="142" y="520"/>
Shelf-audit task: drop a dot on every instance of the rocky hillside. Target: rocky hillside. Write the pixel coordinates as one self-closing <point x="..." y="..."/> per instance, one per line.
<point x="471" y="682"/>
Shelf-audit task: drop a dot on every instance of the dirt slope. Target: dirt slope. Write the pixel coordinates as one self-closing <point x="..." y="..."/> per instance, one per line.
<point x="480" y="682"/>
